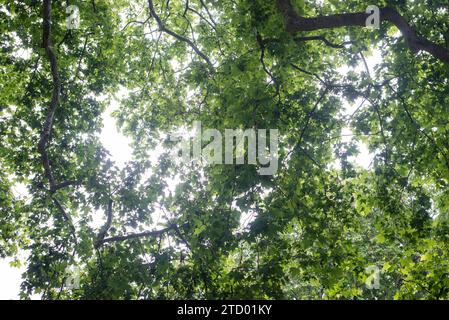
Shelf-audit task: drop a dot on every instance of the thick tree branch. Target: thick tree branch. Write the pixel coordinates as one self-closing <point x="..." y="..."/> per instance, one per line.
<point x="163" y="28"/>
<point x="56" y="93"/>
<point x="63" y="185"/>
<point x="295" y="23"/>
<point x="46" y="130"/>
<point x="155" y="233"/>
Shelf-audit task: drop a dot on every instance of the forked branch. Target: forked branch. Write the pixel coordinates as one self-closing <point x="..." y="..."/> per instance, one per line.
<point x="295" y="23"/>
<point x="163" y="28"/>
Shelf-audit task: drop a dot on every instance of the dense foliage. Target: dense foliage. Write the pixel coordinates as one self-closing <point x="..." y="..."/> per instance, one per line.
<point x="308" y="232"/>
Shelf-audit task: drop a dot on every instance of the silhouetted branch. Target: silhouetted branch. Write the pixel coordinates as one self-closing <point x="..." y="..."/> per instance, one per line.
<point x="295" y="23"/>
<point x="325" y="41"/>
<point x="155" y="233"/>
<point x="46" y="130"/>
<point x="163" y="28"/>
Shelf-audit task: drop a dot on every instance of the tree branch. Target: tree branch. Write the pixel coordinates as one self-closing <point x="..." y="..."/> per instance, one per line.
<point x="325" y="41"/>
<point x="66" y="217"/>
<point x="163" y="28"/>
<point x="155" y="233"/>
<point x="45" y="134"/>
<point x="104" y="230"/>
<point x="295" y="23"/>
<point x="208" y="12"/>
<point x="261" y="44"/>
<point x="46" y="130"/>
<point x="62" y="185"/>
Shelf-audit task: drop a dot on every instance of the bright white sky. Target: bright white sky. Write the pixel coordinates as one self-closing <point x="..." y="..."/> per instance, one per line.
<point x="119" y="147"/>
<point x="10" y="279"/>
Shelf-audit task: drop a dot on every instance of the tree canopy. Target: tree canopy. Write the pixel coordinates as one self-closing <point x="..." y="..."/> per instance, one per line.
<point x="175" y="230"/>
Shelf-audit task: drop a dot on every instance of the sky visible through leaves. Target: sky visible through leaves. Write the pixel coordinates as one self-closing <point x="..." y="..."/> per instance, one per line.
<point x="343" y="192"/>
<point x="119" y="147"/>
